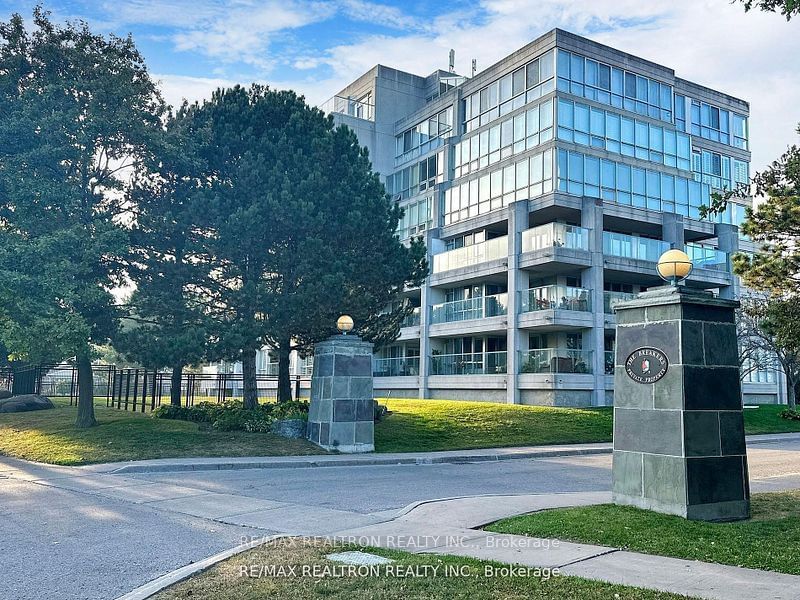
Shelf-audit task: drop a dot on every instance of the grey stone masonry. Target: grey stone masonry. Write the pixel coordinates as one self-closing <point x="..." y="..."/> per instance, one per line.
<point x="679" y="443"/>
<point x="341" y="415"/>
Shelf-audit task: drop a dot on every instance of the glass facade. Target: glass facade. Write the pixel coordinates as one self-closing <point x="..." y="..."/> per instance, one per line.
<point x="514" y="135"/>
<point x="527" y="178"/>
<point x="512" y="91"/>
<point x="424" y="136"/>
<point x="584" y="175"/>
<point x="416" y="178"/>
<point x="589" y="126"/>
<point x="417" y="217"/>
<point x="593" y="80"/>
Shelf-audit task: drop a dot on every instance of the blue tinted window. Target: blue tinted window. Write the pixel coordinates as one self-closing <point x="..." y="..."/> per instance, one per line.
<point x="627" y="130"/>
<point x="639" y="181"/>
<point x="591" y="167"/>
<point x="598" y="126"/>
<point x="576" y="166"/>
<point x="576" y="68"/>
<point x="612" y="126"/>
<point x="565" y="113"/>
<point x="608" y="174"/>
<point x="563" y="64"/>
<point x="582" y="117"/>
<point x="623" y="177"/>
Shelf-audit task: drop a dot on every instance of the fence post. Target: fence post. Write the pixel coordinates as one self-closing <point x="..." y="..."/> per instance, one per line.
<point x="135" y="388"/>
<point x="127" y="387"/>
<point x="144" y="390"/>
<point x="297" y="388"/>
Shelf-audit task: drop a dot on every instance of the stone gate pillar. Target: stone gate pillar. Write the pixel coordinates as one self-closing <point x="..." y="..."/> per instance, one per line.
<point x="341" y="415"/>
<point x="679" y="445"/>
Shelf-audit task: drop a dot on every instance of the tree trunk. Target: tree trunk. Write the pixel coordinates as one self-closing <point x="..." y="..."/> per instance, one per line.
<point x="175" y="385"/>
<point x="249" y="382"/>
<point x="791" y="401"/>
<point x="85" y="391"/>
<point x="284" y="380"/>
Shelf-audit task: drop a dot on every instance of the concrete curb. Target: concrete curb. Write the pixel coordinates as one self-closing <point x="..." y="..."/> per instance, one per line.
<point x="153" y="587"/>
<point x="370" y="461"/>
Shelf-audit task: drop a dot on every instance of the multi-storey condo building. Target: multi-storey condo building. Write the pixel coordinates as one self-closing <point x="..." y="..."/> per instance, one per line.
<point x="545" y="188"/>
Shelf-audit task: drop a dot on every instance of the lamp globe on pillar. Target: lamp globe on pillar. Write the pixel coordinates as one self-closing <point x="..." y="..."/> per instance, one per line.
<point x="674" y="266"/>
<point x="344" y="324"/>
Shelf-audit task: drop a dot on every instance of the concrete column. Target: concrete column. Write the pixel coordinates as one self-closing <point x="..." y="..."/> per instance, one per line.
<point x="592" y="278"/>
<point x="434" y="246"/>
<point x="727" y="241"/>
<point x="342" y="412"/>
<point x="673" y="229"/>
<point x="679" y="445"/>
<point x="517" y="223"/>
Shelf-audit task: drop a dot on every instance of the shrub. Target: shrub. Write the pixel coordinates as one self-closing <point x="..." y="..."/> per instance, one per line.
<point x="791" y="415"/>
<point x="232" y="416"/>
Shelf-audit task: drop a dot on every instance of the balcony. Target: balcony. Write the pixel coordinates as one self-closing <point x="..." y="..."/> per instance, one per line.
<point x="706" y="257"/>
<point x="630" y="246"/>
<point x="404" y="366"/>
<point x="475" y="363"/>
<point x="556" y="360"/>
<point x="611" y="299"/>
<point x="350" y="107"/>
<point x="609" y="362"/>
<point x="556" y="297"/>
<point x="555" y="235"/>
<point x="472" y="308"/>
<point x="412" y="320"/>
<point x="468" y="256"/>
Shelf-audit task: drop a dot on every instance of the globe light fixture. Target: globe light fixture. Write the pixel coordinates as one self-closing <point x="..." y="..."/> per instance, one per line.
<point x="674" y="266"/>
<point x="345" y="324"/>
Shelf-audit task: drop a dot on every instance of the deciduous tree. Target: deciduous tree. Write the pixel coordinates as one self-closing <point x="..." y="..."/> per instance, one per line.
<point x="77" y="111"/>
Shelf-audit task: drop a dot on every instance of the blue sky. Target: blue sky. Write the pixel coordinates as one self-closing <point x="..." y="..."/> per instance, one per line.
<point x="317" y="46"/>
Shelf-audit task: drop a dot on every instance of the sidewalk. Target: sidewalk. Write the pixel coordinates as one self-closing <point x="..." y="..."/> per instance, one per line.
<point x="450" y="527"/>
<point x="163" y="465"/>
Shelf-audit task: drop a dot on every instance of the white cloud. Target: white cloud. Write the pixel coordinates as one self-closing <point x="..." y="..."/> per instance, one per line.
<point x="711" y="42"/>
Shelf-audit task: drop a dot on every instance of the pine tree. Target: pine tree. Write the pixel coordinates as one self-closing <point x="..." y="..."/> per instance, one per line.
<point x="167" y="325"/>
<point x="301" y="231"/>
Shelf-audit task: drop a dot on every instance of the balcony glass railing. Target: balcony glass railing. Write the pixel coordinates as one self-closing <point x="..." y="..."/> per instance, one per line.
<point x="475" y="363"/>
<point x="471" y="255"/>
<point x="610" y="299"/>
<point x="705" y="257"/>
<point x="349" y="106"/>
<point x="631" y="246"/>
<point x="556" y="360"/>
<point x="609" y="362"/>
<point x="555" y="235"/>
<point x="404" y="366"/>
<point x="472" y="308"/>
<point x="411" y="320"/>
<point x="556" y="297"/>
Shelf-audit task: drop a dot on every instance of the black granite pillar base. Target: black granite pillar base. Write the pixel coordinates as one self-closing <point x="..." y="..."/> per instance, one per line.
<point x="679" y="444"/>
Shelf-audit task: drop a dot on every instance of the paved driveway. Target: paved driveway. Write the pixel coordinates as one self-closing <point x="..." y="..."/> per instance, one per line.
<point x="73" y="534"/>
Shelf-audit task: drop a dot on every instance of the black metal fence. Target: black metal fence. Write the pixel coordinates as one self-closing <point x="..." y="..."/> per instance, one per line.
<point x="141" y="389"/>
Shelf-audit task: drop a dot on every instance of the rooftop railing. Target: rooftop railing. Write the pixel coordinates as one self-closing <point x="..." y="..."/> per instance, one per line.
<point x="349" y="106"/>
<point x="412" y="320"/>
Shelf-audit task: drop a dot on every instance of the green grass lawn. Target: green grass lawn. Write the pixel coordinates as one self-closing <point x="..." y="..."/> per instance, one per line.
<point x="238" y="579"/>
<point x="50" y="436"/>
<point x="765" y="419"/>
<point x="769" y="540"/>
<point x="428" y="425"/>
<point x="415" y="426"/>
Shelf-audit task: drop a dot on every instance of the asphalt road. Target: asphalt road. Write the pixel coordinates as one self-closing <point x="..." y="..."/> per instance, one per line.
<point x="70" y="535"/>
